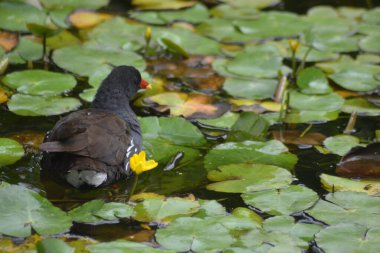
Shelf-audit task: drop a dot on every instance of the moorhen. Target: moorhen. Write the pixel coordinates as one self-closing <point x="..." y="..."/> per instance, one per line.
<point x="92" y="147"/>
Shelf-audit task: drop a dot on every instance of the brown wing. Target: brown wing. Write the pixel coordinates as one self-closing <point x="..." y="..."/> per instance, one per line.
<point x="91" y="133"/>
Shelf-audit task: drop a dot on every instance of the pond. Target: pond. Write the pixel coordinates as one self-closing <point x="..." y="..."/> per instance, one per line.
<point x="263" y="117"/>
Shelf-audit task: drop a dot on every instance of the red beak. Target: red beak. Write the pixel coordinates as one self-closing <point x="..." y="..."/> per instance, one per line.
<point x="144" y="84"/>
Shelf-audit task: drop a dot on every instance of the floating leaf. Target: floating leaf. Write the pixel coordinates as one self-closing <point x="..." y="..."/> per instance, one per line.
<point x="355" y="80"/>
<point x="252" y="89"/>
<point x="258" y="4"/>
<point x="349" y="237"/>
<point x="310" y="116"/>
<point x="53" y="245"/>
<point x="86" y="19"/>
<point x="164" y="210"/>
<point x="341" y="144"/>
<point x="23" y="210"/>
<point x="190" y="105"/>
<point x="345" y="207"/>
<point x="124" y="246"/>
<point x="84" y="213"/>
<point x="249" y="126"/>
<point x="328" y="103"/>
<point x="272" y="152"/>
<point x="158" y="5"/>
<point x="283" y="201"/>
<point x="8" y="41"/>
<point x="15" y="16"/>
<point x="248" y="178"/>
<point x="372" y="16"/>
<point x="42" y="30"/>
<point x="210" y="208"/>
<point x="287" y="225"/>
<point x="88" y="60"/>
<point x="26" y="50"/>
<point x="194" y="14"/>
<point x="247" y="213"/>
<point x="39" y="82"/>
<point x="361" y="106"/>
<point x="26" y="105"/>
<point x="333" y="183"/>
<point x="10" y="151"/>
<point x="72" y="4"/>
<point x="114" y="211"/>
<point x="225" y="121"/>
<point x="360" y="162"/>
<point x="370" y="44"/>
<point x="313" y="81"/>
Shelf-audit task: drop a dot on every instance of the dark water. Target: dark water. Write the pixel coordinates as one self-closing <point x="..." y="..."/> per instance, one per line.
<point x="177" y="182"/>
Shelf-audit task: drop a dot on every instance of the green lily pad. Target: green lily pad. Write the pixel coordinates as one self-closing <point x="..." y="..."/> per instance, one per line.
<point x="84" y="213"/>
<point x="273" y="25"/>
<point x="162" y="5"/>
<point x="247" y="213"/>
<point x="114" y="211"/>
<point x="164" y="210"/>
<point x="53" y="245"/>
<point x="190" y="42"/>
<point x="236" y="178"/>
<point x="10" y="151"/>
<point x="333" y="183"/>
<point x="226" y="121"/>
<point x="194" y="14"/>
<point x="263" y="62"/>
<point x="124" y="246"/>
<point x="111" y="35"/>
<point x="347" y="63"/>
<point x="272" y="152"/>
<point x="23" y="210"/>
<point x="287" y="225"/>
<point x="15" y="16"/>
<point x="313" y="81"/>
<point x="372" y="16"/>
<point x="341" y="144"/>
<point x="202" y="235"/>
<point x="356" y="80"/>
<point x="349" y="237"/>
<point x="305" y="116"/>
<point x="361" y="106"/>
<point x="251" y="89"/>
<point x="283" y="201"/>
<point x="210" y="208"/>
<point x="164" y="137"/>
<point x="73" y="4"/>
<point x="327" y="103"/>
<point x="227" y="11"/>
<point x="346" y="207"/>
<point x="370" y="44"/>
<point x="26" y="50"/>
<point x="39" y="82"/>
<point x="248" y="126"/>
<point x="26" y="105"/>
<point x="88" y="60"/>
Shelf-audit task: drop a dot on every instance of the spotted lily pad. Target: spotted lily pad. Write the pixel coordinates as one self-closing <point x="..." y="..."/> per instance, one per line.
<point x="333" y="183"/>
<point x="345" y="207"/>
<point x="237" y="178"/>
<point x="10" y="151"/>
<point x="39" y="82"/>
<point x="15" y="16"/>
<point x="313" y="81"/>
<point x="88" y="60"/>
<point x="284" y="201"/>
<point x="348" y="237"/>
<point x="23" y="210"/>
<point x="272" y="152"/>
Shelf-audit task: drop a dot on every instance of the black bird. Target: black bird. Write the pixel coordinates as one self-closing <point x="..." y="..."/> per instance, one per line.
<point x="92" y="147"/>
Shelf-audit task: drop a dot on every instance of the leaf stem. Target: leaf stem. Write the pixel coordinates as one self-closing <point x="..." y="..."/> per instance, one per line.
<point x="133" y="188"/>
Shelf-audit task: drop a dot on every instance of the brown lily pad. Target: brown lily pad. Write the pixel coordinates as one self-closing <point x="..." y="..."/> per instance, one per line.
<point x="8" y="40"/>
<point x="191" y="105"/>
<point x="294" y="137"/>
<point x="361" y="162"/>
